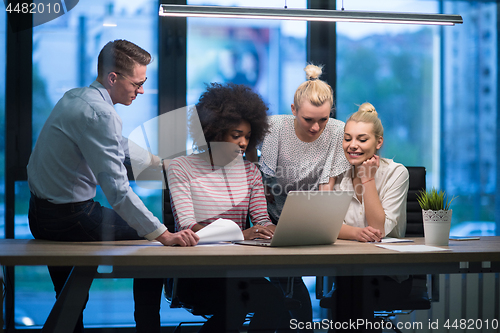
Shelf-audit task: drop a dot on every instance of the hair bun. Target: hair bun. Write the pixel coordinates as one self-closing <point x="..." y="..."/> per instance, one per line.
<point x="367" y="107"/>
<point x="313" y="72"/>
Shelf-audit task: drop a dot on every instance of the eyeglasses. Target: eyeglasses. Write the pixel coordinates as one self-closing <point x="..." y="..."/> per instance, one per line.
<point x="136" y="85"/>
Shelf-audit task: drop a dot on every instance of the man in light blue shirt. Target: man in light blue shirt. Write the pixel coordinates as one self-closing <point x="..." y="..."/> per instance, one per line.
<point x="81" y="146"/>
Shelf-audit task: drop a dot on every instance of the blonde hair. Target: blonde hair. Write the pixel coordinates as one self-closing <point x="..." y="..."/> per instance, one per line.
<point x="367" y="114"/>
<point x="314" y="90"/>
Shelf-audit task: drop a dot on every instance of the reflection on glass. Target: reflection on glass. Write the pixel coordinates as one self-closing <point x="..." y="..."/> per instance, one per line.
<point x="65" y="54"/>
<point x="387" y="71"/>
<point x="241" y="59"/>
<point x="268" y="56"/>
<point x="394" y="67"/>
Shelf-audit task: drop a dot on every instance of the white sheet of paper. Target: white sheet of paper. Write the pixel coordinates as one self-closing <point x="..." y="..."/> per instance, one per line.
<point x="221" y="230"/>
<point x="413" y="248"/>
<point x="394" y="240"/>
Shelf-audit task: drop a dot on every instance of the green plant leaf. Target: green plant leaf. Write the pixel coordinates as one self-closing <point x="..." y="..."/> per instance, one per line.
<point x="434" y="200"/>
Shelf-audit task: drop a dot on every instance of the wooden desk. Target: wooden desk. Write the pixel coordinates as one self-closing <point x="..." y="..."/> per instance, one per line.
<point x="131" y="259"/>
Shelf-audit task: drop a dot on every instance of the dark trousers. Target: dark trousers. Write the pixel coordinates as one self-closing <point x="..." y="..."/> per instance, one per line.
<point x="229" y="300"/>
<point x="89" y="221"/>
<point x="357" y="297"/>
<point x="298" y="303"/>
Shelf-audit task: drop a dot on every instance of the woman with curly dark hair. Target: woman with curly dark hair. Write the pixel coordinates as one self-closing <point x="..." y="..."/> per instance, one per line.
<point x="217" y="183"/>
<point x="221" y="107"/>
<point x="227" y="120"/>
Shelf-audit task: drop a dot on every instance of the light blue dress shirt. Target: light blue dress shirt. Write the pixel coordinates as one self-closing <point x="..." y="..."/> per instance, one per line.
<point x="80" y="146"/>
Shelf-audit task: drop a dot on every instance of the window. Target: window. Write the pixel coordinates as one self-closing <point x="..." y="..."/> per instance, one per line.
<point x="434" y="89"/>
<point x="65" y="56"/>
<point x="267" y="55"/>
<point x="469" y="153"/>
<point x="380" y="64"/>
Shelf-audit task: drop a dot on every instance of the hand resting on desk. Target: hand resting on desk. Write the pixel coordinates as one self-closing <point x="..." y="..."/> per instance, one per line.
<point x="182" y="238"/>
<point x="258" y="231"/>
<point x="366" y="234"/>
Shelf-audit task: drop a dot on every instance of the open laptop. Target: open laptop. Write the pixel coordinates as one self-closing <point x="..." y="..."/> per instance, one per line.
<point x="308" y="218"/>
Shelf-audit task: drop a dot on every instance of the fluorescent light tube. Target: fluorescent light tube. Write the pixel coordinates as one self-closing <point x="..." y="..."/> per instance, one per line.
<point x="308" y="15"/>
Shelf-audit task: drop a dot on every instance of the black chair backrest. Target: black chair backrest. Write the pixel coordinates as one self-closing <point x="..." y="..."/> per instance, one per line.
<point x="168" y="215"/>
<point x="414" y="224"/>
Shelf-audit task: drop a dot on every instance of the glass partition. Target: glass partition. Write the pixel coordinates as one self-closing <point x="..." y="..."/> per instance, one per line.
<point x="435" y="89"/>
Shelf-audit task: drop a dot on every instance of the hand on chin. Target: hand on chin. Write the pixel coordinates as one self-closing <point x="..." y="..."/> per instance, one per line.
<point x="369" y="167"/>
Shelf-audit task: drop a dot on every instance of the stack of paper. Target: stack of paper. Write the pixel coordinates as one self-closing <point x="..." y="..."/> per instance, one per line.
<point x="220" y="230"/>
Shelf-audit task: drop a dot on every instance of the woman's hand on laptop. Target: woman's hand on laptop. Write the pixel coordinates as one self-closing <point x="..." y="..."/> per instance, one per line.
<point x="258" y="231"/>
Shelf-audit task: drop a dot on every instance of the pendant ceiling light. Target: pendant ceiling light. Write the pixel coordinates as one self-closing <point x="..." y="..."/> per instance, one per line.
<point x="308" y="15"/>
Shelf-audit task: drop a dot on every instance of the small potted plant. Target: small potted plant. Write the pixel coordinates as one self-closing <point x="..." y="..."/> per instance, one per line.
<point x="436" y="214"/>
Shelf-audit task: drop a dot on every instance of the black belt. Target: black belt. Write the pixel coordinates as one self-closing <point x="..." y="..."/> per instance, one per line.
<point x="43" y="203"/>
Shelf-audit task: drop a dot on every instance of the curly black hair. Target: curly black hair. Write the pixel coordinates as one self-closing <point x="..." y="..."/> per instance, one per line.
<point x="223" y="106"/>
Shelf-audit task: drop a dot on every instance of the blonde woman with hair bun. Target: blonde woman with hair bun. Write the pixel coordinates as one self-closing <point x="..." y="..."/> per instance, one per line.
<point x="378" y="208"/>
<point x="313" y="91"/>
<point x="367" y="107"/>
<point x="302" y="151"/>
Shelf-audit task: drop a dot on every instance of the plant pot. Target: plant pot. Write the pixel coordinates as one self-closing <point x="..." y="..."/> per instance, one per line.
<point x="437" y="227"/>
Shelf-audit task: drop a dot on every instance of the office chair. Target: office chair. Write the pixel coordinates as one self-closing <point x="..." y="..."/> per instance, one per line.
<point x="414" y="222"/>
<point x="387" y="308"/>
<point x="170" y="284"/>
